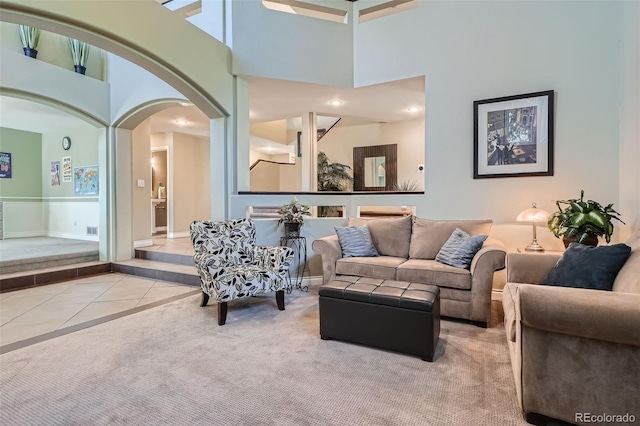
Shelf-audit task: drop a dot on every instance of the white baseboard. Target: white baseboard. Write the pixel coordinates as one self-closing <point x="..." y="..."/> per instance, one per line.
<point x="179" y="234"/>
<point x="142" y="243"/>
<point x="73" y="236"/>
<point x="24" y="234"/>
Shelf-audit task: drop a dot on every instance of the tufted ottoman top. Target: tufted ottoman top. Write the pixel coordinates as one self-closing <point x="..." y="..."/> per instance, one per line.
<point x="400" y="294"/>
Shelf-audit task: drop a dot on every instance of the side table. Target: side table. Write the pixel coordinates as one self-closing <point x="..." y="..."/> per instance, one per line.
<point x="299" y="247"/>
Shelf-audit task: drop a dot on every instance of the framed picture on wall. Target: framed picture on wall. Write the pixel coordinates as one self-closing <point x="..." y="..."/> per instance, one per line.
<point x="5" y="165"/>
<point x="55" y="173"/>
<point x="66" y="169"/>
<point x="513" y="136"/>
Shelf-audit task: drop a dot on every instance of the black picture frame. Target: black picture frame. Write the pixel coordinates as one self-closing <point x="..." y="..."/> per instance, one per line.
<point x="513" y="136"/>
<point x="321" y="133"/>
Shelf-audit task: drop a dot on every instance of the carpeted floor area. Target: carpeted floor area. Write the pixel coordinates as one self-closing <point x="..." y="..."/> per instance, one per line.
<point x="174" y="365"/>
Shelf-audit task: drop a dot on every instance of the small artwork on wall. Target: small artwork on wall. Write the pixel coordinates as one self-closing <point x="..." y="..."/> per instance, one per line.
<point x="513" y="136"/>
<point x="85" y="180"/>
<point x="66" y="169"/>
<point x="5" y="165"/>
<point x="55" y="173"/>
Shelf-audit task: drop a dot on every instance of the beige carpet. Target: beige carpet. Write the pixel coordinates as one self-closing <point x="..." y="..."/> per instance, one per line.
<point x="174" y="365"/>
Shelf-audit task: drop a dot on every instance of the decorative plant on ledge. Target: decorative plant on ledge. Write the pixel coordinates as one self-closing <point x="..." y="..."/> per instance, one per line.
<point x="79" y="54"/>
<point x="30" y="37"/>
<point x="582" y="221"/>
<point x="292" y="216"/>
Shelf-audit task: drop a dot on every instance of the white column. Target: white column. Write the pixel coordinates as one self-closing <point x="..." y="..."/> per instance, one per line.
<point x="309" y="148"/>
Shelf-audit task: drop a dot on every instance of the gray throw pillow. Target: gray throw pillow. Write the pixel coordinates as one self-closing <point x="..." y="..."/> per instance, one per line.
<point x="355" y="241"/>
<point x="460" y="249"/>
<point x="590" y="267"/>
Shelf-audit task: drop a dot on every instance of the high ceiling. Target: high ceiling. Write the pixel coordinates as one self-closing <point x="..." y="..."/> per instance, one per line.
<point x="269" y="100"/>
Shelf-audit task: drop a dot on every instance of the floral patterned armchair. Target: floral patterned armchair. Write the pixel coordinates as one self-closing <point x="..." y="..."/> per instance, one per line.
<point x="231" y="266"/>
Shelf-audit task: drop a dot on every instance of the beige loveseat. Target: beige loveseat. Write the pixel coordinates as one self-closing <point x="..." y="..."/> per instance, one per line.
<point x="408" y="247"/>
<point x="575" y="352"/>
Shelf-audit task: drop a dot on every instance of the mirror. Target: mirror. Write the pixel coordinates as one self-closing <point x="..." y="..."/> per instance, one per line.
<point x="374" y="171"/>
<point x="375" y="167"/>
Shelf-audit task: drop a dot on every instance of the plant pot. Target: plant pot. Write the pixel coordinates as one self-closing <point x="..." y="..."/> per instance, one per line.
<point x="291" y="229"/>
<point x="80" y="69"/>
<point x="32" y="53"/>
<point x="592" y="240"/>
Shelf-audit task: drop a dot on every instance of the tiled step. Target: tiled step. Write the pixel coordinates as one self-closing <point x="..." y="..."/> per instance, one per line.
<point x="41" y="262"/>
<point x="164" y="257"/>
<point x="50" y="275"/>
<point x="160" y="270"/>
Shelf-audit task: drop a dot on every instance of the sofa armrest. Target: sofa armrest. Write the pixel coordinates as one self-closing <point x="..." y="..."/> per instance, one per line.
<point x="530" y="268"/>
<point x="330" y="251"/>
<point x="593" y="314"/>
<point x="489" y="259"/>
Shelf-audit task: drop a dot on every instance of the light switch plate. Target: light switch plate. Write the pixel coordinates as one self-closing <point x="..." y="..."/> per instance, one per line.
<point x="140" y="183"/>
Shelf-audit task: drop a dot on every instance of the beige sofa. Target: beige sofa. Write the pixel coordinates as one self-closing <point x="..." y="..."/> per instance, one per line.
<point x="575" y="352"/>
<point x="408" y="247"/>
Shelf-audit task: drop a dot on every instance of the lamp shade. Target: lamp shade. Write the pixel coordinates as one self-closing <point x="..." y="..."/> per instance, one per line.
<point x="533" y="214"/>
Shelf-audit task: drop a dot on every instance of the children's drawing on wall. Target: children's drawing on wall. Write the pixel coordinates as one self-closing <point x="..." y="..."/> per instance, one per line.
<point x="55" y="173"/>
<point x="66" y="169"/>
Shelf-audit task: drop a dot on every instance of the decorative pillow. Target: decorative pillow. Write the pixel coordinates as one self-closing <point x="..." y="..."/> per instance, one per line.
<point x="590" y="267"/>
<point x="390" y="236"/>
<point x="355" y="241"/>
<point x="460" y="249"/>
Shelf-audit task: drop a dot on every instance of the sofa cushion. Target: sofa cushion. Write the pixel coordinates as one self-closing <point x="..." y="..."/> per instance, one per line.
<point x="589" y="267"/>
<point x="460" y="249"/>
<point x="628" y="279"/>
<point x="435" y="273"/>
<point x="355" y="241"/>
<point x="391" y="237"/>
<point x="383" y="267"/>
<point x="428" y="236"/>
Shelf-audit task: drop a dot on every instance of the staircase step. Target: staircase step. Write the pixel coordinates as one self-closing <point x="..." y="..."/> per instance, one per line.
<point x="164" y="257"/>
<point x="50" y="275"/>
<point x="172" y="272"/>
<point x="42" y="262"/>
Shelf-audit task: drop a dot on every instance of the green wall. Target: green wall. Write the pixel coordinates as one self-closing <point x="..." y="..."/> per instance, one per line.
<point x="83" y="152"/>
<point x="26" y="163"/>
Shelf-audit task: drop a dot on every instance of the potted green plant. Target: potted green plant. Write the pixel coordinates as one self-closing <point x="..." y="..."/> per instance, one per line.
<point x="79" y="54"/>
<point x="291" y="215"/>
<point x="30" y="37"/>
<point x="582" y="221"/>
<point x="332" y="176"/>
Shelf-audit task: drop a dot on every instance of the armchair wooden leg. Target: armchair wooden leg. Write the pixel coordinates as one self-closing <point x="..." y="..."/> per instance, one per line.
<point x="205" y="299"/>
<point x="280" y="299"/>
<point x="222" y="313"/>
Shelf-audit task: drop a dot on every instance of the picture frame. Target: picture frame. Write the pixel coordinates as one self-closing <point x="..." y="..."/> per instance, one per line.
<point x="513" y="136"/>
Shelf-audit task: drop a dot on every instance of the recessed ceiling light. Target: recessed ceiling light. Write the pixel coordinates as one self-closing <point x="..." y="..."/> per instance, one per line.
<point x="335" y="102"/>
<point x="185" y="104"/>
<point x="182" y="122"/>
<point x="413" y="109"/>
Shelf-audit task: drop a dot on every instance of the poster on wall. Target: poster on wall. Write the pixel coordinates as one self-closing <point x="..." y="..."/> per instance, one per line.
<point x="66" y="169"/>
<point x="55" y="173"/>
<point x="85" y="180"/>
<point x="5" y="165"/>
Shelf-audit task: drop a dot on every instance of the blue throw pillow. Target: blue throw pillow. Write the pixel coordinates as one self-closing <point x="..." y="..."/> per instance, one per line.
<point x="460" y="249"/>
<point x="590" y="267"/>
<point x="355" y="241"/>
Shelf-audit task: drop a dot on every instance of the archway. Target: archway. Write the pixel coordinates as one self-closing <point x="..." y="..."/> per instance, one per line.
<point x="115" y="27"/>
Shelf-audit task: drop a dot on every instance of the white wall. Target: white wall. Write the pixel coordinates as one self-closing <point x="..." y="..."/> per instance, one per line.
<point x="338" y="144"/>
<point x="481" y="49"/>
<point x="274" y="44"/>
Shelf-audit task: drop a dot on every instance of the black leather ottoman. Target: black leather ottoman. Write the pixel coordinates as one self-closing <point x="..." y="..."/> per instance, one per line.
<point x="394" y="315"/>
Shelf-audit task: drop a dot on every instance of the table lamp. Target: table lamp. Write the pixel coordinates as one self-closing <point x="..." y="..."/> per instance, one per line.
<point x="533" y="215"/>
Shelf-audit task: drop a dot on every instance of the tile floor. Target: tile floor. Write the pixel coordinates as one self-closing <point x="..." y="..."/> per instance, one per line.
<point x="28" y="313"/>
